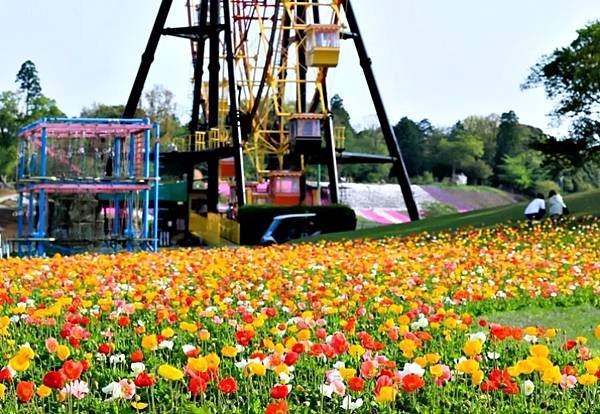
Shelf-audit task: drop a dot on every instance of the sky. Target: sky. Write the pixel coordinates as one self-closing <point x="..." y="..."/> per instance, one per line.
<point x="435" y="59"/>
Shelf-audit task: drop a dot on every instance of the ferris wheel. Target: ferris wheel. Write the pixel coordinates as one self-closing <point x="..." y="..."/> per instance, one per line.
<point x="260" y="85"/>
<point x="282" y="52"/>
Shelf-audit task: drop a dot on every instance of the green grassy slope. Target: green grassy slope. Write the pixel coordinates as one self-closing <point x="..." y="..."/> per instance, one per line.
<point x="579" y="204"/>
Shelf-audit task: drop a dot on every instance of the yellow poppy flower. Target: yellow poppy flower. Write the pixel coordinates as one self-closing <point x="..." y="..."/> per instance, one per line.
<point x="43" y="391"/>
<point x="138" y="405"/>
<point x="63" y="352"/>
<point x="170" y="372"/>
<point x="386" y="394"/>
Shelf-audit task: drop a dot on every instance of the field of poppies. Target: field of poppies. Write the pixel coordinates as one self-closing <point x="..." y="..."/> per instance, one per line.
<point x="359" y="326"/>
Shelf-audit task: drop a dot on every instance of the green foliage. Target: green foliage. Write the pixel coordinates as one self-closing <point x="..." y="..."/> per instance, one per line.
<point x="29" y="83"/>
<point x="411" y="140"/>
<point x="486" y="129"/>
<point x="509" y="141"/>
<point x="368" y="141"/>
<point x="544" y="187"/>
<point x="424" y="179"/>
<point x="99" y="110"/>
<point x="161" y="108"/>
<point x="463" y="152"/>
<point x="521" y="171"/>
<point x="255" y="219"/>
<point x="435" y="209"/>
<point x="12" y="117"/>
<point x="570" y="76"/>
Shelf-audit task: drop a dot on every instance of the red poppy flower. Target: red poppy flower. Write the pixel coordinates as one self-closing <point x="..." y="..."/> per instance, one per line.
<point x="143" y="380"/>
<point x="298" y="348"/>
<point x="279" y="407"/>
<point x="500" y="377"/>
<point x="104" y="349"/>
<point x="569" y="344"/>
<point x="54" y="379"/>
<point x="72" y="369"/>
<point x="25" y="390"/>
<point x="5" y="375"/>
<point x="321" y="333"/>
<point x="412" y="382"/>
<point x="137" y="356"/>
<point x="290" y="358"/>
<point x="569" y="370"/>
<point x="489" y="386"/>
<point x="356" y="384"/>
<point x="123" y="321"/>
<point x="244" y="337"/>
<point x="228" y="385"/>
<point x="279" y="391"/>
<point x="339" y="343"/>
<point x="511" y="388"/>
<point x="197" y="385"/>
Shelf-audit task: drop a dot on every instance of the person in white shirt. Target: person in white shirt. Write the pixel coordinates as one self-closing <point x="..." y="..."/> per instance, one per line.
<point x="536" y="209"/>
<point x="556" y="205"/>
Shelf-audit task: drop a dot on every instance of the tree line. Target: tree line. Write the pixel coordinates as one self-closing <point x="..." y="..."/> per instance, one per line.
<point x="499" y="150"/>
<point x="26" y="104"/>
<point x="496" y="150"/>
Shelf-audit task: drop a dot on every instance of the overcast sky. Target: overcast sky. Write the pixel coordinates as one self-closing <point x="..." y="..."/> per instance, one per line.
<point x="436" y="59"/>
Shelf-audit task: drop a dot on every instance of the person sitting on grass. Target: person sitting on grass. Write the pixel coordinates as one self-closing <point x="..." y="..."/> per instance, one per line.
<point x="556" y="205"/>
<point x="536" y="209"/>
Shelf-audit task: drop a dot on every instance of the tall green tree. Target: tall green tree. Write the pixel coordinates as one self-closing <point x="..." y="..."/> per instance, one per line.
<point x="28" y="96"/>
<point x="29" y="84"/>
<point x="570" y="75"/>
<point x="411" y="140"/>
<point x="509" y="140"/>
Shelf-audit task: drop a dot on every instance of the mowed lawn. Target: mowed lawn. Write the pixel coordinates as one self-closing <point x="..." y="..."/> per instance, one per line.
<point x="572" y="322"/>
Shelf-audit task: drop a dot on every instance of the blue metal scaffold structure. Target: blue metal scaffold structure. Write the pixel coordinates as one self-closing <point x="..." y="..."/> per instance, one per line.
<point x="85" y="184"/>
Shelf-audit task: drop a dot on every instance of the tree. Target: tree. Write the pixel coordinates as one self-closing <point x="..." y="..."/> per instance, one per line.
<point x="9" y="126"/>
<point x="98" y="110"/>
<point x="161" y="108"/>
<point x="29" y="83"/>
<point x="486" y="128"/>
<point x="571" y="76"/>
<point x="509" y="141"/>
<point x="36" y="106"/>
<point x="462" y="151"/>
<point x="43" y="107"/>
<point x="411" y="140"/>
<point x="522" y="171"/>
